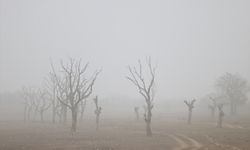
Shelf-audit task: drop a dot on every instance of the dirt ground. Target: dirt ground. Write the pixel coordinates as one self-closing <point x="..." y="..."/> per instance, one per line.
<point x="126" y="135"/>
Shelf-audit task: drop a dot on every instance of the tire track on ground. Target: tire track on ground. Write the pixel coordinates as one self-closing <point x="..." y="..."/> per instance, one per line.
<point x="194" y="144"/>
<point x="185" y="142"/>
<point x="181" y="144"/>
<point x="220" y="145"/>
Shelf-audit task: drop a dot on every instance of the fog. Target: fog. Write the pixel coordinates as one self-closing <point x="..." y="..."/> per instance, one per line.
<point x="192" y="43"/>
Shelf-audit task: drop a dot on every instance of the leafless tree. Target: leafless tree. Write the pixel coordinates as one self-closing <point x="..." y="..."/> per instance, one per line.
<point x="98" y="111"/>
<point x="234" y="88"/>
<point x="41" y="103"/>
<point x="220" y="115"/>
<point x="52" y="91"/>
<point x="29" y="97"/>
<point x="59" y="111"/>
<point x="82" y="108"/>
<point x="190" y="105"/>
<point x="146" y="89"/>
<point x="62" y="109"/>
<point x="73" y="86"/>
<point x="136" y="109"/>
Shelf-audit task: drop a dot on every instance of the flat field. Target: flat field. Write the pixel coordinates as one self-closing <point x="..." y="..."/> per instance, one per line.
<point x="126" y="135"/>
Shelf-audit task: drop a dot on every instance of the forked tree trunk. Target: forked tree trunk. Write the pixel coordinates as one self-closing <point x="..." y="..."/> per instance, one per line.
<point x="82" y="106"/>
<point x="64" y="113"/>
<point x="221" y="115"/>
<point x="189" y="116"/>
<point x="53" y="111"/>
<point x="190" y="105"/>
<point x="74" y="119"/>
<point x="148" y="117"/>
<point x="148" y="129"/>
<point x="53" y="115"/>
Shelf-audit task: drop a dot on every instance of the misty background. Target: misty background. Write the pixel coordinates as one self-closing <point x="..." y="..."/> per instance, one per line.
<point x="192" y="42"/>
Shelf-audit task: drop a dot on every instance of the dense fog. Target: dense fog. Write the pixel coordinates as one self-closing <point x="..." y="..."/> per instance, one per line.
<point x="183" y="60"/>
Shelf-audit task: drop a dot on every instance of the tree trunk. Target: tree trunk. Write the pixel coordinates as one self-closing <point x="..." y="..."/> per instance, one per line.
<point x="82" y="106"/>
<point x="219" y="124"/>
<point x="54" y="106"/>
<point x="74" y="119"/>
<point x="189" y="117"/>
<point x="97" y="122"/>
<point x="148" y="129"/>
<point x="148" y="121"/>
<point x="53" y="111"/>
<point x="65" y="110"/>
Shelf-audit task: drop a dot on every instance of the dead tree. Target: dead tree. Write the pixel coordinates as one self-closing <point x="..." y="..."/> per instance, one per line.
<point x="82" y="109"/>
<point x="190" y="106"/>
<point x="59" y="111"/>
<point x="213" y="106"/>
<point x="146" y="89"/>
<point x="74" y="86"/>
<point x="62" y="98"/>
<point x="41" y="103"/>
<point x="235" y="89"/>
<point x="51" y="89"/>
<point x="98" y="111"/>
<point x="220" y="115"/>
<point x="29" y="97"/>
<point x="136" y="109"/>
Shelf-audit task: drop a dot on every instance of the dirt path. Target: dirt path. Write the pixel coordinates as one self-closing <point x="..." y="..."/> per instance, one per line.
<point x="195" y="144"/>
<point x="185" y="142"/>
<point x="220" y="145"/>
<point x="181" y="143"/>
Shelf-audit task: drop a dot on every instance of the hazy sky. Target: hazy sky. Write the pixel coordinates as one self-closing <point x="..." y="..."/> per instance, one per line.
<point x="192" y="41"/>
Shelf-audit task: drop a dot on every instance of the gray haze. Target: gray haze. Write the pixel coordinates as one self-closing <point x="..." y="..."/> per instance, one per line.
<point x="192" y="42"/>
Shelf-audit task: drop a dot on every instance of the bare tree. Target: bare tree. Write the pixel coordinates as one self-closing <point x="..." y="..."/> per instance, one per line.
<point x="98" y="111"/>
<point x="62" y="98"/>
<point x="234" y="88"/>
<point x="190" y="105"/>
<point x="146" y="89"/>
<point x="82" y="108"/>
<point x="220" y="115"/>
<point x="51" y="89"/>
<point x="136" y="109"/>
<point x="41" y="103"/>
<point x="74" y="86"/>
<point x="29" y="97"/>
<point x="59" y="111"/>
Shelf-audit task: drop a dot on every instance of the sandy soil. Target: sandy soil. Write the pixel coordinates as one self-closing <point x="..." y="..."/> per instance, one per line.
<point x="125" y="135"/>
